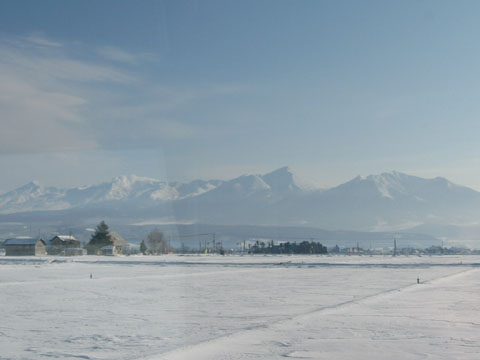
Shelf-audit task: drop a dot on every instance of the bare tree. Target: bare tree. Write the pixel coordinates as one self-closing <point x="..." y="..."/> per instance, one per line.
<point x="156" y="242"/>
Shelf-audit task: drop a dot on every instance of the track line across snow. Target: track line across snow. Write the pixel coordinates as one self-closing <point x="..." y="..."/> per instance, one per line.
<point x="212" y="348"/>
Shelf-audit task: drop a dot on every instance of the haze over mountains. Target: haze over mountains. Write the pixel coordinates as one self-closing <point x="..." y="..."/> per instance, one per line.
<point x="387" y="202"/>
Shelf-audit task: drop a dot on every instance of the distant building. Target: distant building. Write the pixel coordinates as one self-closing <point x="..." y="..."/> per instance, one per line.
<point x="109" y="250"/>
<point x="119" y="246"/>
<point x="93" y="250"/>
<point x="64" y="245"/>
<point x="25" y="247"/>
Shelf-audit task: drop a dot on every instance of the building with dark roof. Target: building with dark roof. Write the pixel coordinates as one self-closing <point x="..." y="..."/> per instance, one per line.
<point x="62" y="245"/>
<point x="25" y="246"/>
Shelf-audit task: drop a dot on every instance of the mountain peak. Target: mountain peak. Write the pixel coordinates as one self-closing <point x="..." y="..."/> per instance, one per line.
<point x="131" y="179"/>
<point x="280" y="180"/>
<point x="125" y="185"/>
<point x="388" y="175"/>
<point x="284" y="179"/>
<point x="280" y="173"/>
<point x="389" y="199"/>
<point x="282" y="170"/>
<point x="32" y="186"/>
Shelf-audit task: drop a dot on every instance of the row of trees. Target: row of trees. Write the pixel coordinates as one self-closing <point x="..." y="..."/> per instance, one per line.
<point x="155" y="244"/>
<point x="304" y="247"/>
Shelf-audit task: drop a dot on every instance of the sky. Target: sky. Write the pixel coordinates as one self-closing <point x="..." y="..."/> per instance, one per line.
<point x="179" y="90"/>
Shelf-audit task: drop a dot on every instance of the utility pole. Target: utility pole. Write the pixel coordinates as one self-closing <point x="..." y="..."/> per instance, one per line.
<point x="394" y="247"/>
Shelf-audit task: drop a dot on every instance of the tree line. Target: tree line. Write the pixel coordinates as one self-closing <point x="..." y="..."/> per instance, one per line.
<point x="304" y="247"/>
<point x="156" y="244"/>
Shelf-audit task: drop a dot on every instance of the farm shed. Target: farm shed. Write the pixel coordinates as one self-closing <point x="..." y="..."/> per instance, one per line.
<point x="109" y="250"/>
<point x="118" y="246"/>
<point x="25" y="247"/>
<point x="121" y="245"/>
<point x="59" y="244"/>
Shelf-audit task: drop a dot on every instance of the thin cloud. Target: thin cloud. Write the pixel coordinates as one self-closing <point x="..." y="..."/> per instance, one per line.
<point x="37" y="120"/>
<point x="58" y="66"/>
<point x="44" y="96"/>
<point x="122" y="56"/>
<point x="52" y="100"/>
<point x="38" y="39"/>
<point x="118" y="55"/>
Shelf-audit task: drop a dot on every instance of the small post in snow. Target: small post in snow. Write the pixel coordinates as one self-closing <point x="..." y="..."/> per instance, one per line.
<point x="418" y="280"/>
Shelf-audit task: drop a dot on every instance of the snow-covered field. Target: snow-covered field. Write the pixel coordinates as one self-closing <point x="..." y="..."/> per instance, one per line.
<point x="240" y="307"/>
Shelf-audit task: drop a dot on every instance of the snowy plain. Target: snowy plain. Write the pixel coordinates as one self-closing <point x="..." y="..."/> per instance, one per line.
<point x="240" y="307"/>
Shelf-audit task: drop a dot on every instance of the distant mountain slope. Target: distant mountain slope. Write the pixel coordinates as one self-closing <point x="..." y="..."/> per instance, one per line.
<point x="125" y="189"/>
<point x="386" y="202"/>
<point x="392" y="201"/>
<point x="32" y="196"/>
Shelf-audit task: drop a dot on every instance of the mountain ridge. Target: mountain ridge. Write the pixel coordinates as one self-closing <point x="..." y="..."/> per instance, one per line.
<point x="386" y="201"/>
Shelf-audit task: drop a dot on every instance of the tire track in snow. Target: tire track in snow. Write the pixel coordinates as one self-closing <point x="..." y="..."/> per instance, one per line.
<point x="206" y="349"/>
<point x="249" y="267"/>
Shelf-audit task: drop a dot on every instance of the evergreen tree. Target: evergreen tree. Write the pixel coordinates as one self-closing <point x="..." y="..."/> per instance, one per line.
<point x="101" y="237"/>
<point x="143" y="247"/>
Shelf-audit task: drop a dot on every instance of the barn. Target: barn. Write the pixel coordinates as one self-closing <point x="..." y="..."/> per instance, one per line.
<point x="25" y="247"/>
<point x="121" y="245"/>
<point x="118" y="246"/>
<point x="64" y="245"/>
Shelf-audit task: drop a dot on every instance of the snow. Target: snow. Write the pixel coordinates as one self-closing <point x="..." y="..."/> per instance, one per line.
<point x="199" y="191"/>
<point x="276" y="198"/>
<point x="165" y="193"/>
<point x="239" y="307"/>
<point x="388" y="182"/>
<point x="251" y="183"/>
<point x="307" y="184"/>
<point x="66" y="237"/>
<point x="32" y="196"/>
<point x="123" y="186"/>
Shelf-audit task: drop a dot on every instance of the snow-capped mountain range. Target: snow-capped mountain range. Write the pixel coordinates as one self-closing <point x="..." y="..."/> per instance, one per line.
<point x="148" y="191"/>
<point x="387" y="201"/>
<point x="33" y="196"/>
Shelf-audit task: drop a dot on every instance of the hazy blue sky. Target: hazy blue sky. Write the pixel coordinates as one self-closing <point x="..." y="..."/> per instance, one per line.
<point x="213" y="89"/>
